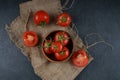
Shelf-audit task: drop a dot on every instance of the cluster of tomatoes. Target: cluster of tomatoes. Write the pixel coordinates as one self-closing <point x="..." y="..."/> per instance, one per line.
<point x="41" y="18"/>
<point x="57" y="46"/>
<point x="61" y="39"/>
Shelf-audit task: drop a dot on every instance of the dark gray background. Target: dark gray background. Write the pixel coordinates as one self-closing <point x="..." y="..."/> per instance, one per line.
<point x="99" y="16"/>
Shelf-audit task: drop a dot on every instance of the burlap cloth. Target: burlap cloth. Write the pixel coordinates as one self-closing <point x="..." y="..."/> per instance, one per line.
<point x="42" y="67"/>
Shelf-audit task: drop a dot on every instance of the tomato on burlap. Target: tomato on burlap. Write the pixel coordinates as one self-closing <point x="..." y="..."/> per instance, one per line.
<point x="64" y="19"/>
<point x="30" y="38"/>
<point x="80" y="58"/>
<point x="41" y="18"/>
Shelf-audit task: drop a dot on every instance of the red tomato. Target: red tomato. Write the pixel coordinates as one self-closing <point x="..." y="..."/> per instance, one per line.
<point x="47" y="46"/>
<point x="56" y="47"/>
<point x="63" y="54"/>
<point x="62" y="37"/>
<point x="80" y="58"/>
<point x="41" y="18"/>
<point x="30" y="38"/>
<point x="64" y="19"/>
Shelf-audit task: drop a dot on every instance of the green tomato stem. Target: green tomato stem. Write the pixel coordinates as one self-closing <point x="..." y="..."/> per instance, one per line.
<point x="62" y="53"/>
<point x="42" y="23"/>
<point x="64" y="19"/>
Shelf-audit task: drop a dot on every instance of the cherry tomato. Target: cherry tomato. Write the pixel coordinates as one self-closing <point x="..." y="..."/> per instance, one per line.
<point x="56" y="47"/>
<point x="41" y="18"/>
<point x="47" y="46"/>
<point x="62" y="37"/>
<point x="63" y="54"/>
<point x="30" y="38"/>
<point x="80" y="58"/>
<point x="64" y="19"/>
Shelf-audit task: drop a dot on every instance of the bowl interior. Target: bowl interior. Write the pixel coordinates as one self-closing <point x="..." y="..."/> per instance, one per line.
<point x="69" y="46"/>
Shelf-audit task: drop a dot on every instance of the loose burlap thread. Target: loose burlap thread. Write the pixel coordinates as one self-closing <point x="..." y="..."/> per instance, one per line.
<point x="42" y="67"/>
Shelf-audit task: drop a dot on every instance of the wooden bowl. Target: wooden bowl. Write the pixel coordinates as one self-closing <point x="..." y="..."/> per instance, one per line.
<point x="51" y="57"/>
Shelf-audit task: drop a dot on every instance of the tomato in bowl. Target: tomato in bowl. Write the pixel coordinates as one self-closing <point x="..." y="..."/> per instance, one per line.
<point x="59" y="51"/>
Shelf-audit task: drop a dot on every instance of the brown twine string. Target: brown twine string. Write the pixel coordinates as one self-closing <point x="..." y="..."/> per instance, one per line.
<point x="73" y="27"/>
<point x="97" y="42"/>
<point x="74" y="33"/>
<point x="66" y="3"/>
